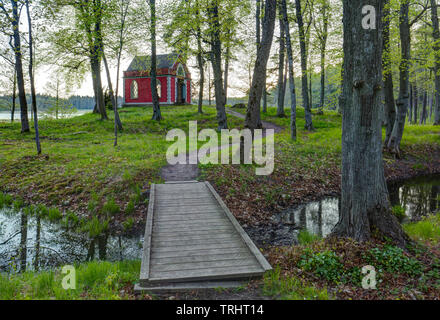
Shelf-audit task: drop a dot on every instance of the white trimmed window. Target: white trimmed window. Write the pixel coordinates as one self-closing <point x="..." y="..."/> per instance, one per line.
<point x="134" y="90"/>
<point x="159" y="88"/>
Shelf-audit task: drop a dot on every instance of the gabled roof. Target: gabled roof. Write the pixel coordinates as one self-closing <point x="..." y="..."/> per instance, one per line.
<point x="143" y="63"/>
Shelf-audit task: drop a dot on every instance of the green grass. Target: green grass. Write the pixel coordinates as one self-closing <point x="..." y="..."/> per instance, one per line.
<point x="427" y="230"/>
<point x="95" y="280"/>
<point x="290" y="288"/>
<point x="79" y="163"/>
<point x="305" y="237"/>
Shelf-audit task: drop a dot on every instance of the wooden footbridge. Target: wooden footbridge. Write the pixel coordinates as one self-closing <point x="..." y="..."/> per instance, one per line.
<point x="193" y="241"/>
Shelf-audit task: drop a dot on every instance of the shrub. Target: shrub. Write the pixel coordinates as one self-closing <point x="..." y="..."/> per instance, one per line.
<point x="324" y="264"/>
<point x="393" y="259"/>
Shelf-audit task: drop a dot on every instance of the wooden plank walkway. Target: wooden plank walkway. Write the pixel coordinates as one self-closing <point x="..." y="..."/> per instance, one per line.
<point x="191" y="236"/>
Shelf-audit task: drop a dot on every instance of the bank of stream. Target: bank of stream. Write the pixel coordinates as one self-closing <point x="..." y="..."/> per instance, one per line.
<point x="31" y="243"/>
<point x="417" y="197"/>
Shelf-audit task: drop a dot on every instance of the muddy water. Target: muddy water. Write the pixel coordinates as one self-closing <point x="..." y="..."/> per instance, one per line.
<point x="419" y="197"/>
<point x="29" y="243"/>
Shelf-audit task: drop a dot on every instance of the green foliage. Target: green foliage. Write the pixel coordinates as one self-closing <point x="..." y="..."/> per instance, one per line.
<point x="393" y="260"/>
<point x="95" y="226"/>
<point x="95" y="280"/>
<point x="399" y="212"/>
<point x="128" y="223"/>
<point x="5" y="200"/>
<point x="110" y="208"/>
<point x="129" y="209"/>
<point x="324" y="264"/>
<point x="54" y="214"/>
<point x="305" y="237"/>
<point x="426" y="230"/>
<point x="290" y="288"/>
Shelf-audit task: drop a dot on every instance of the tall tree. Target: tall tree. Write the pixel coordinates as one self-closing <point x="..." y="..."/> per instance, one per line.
<point x="291" y="73"/>
<point x="156" y="108"/>
<point x="321" y="27"/>
<point x="281" y="86"/>
<point x="436" y="36"/>
<point x="390" y="107"/>
<point x="31" y="77"/>
<point x="13" y="17"/>
<point x="365" y="204"/>
<point x="305" y="90"/>
<point x="216" y="61"/>
<point x="403" y="100"/>
<point x="253" y="120"/>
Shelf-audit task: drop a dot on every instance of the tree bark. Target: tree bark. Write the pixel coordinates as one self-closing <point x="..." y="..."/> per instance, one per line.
<point x="253" y="120"/>
<point x="291" y="72"/>
<point x="436" y="36"/>
<point x="390" y="107"/>
<point x="403" y="100"/>
<point x="14" y="95"/>
<point x="216" y="60"/>
<point x="365" y="206"/>
<point x="305" y="92"/>
<point x="226" y="74"/>
<point x="31" y="78"/>
<point x="156" y="108"/>
<point x="19" y="67"/>
<point x="424" y="106"/>
<point x="416" y="104"/>
<point x="201" y="70"/>
<point x="118" y="123"/>
<point x="281" y="86"/>
<point x="96" y="58"/>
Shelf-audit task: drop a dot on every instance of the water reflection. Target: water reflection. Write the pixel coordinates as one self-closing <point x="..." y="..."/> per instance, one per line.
<point x="30" y="243"/>
<point x="419" y="197"/>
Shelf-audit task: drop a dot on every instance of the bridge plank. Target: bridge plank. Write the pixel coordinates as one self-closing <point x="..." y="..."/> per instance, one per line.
<point x="192" y="236"/>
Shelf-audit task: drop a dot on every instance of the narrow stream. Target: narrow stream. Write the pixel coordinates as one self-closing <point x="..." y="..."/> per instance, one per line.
<point x="29" y="243"/>
<point x="419" y="197"/>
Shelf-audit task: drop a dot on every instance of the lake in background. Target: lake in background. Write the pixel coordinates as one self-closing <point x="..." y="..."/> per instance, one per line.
<point x="6" y="115"/>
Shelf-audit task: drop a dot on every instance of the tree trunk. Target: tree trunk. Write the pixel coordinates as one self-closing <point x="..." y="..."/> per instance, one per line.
<point x="305" y="92"/>
<point x="226" y="74"/>
<point x="32" y="81"/>
<point x="416" y="104"/>
<point x="253" y="120"/>
<point x="118" y="123"/>
<point x="281" y="86"/>
<point x="425" y="104"/>
<point x="291" y="73"/>
<point x="411" y="102"/>
<point x="390" y="107"/>
<point x="19" y="67"/>
<point x="324" y="39"/>
<point x="436" y="36"/>
<point x="403" y="100"/>
<point x="156" y="108"/>
<point x="96" y="58"/>
<point x="365" y="206"/>
<point x="201" y="70"/>
<point x="216" y="60"/>
<point x="14" y="95"/>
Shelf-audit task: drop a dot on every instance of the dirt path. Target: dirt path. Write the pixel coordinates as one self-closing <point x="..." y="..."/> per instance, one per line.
<point x="188" y="172"/>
